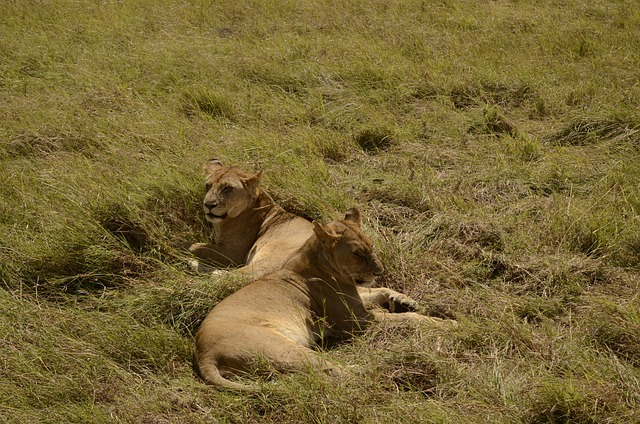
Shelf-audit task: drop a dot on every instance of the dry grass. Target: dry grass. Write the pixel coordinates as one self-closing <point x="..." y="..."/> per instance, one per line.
<point x="492" y="150"/>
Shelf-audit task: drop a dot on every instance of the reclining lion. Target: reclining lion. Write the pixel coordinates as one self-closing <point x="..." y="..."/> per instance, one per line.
<point x="279" y="318"/>
<point x="252" y="231"/>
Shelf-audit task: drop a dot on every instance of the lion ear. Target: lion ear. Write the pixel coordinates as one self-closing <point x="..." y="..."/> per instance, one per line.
<point x="353" y="215"/>
<point x="323" y="233"/>
<point x="252" y="181"/>
<point x="212" y="165"/>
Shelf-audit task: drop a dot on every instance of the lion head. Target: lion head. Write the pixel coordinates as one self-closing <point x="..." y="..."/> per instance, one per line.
<point x="349" y="250"/>
<point x="230" y="191"/>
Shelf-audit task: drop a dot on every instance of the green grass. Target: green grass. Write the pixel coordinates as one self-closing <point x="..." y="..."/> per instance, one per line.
<point x="493" y="148"/>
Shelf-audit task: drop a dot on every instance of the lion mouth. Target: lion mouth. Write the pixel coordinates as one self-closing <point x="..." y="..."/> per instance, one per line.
<point x="213" y="217"/>
<point x="365" y="282"/>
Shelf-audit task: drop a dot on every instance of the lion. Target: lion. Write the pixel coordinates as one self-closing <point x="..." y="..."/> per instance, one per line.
<point x="279" y="318"/>
<point x="253" y="232"/>
<point x="250" y="229"/>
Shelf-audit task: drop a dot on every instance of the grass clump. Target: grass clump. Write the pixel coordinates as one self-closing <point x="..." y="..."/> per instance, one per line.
<point x="584" y="132"/>
<point x="208" y="103"/>
<point x="572" y="401"/>
<point x="493" y="122"/>
<point x="619" y="333"/>
<point x="374" y="140"/>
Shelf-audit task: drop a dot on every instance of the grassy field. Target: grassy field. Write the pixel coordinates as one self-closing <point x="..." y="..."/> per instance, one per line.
<point x="492" y="146"/>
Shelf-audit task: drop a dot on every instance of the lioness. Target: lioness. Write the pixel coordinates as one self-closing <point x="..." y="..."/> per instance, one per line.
<point x="250" y="229"/>
<point x="280" y="317"/>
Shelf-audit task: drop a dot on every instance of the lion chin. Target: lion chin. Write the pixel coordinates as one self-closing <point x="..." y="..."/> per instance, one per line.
<point x="365" y="282"/>
<point x="216" y="218"/>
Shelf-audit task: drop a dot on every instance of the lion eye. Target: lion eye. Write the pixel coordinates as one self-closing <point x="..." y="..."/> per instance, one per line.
<point x="226" y="189"/>
<point x="359" y="254"/>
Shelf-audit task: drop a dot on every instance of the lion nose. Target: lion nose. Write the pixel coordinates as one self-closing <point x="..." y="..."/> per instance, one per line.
<point x="211" y="204"/>
<point x="379" y="270"/>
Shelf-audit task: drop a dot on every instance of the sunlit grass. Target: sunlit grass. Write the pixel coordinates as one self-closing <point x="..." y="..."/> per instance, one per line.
<point x="492" y="147"/>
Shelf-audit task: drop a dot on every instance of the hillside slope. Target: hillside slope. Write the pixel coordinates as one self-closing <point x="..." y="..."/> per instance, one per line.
<point x="493" y="148"/>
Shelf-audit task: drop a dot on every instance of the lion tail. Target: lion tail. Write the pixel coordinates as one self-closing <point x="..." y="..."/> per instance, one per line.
<point x="209" y="372"/>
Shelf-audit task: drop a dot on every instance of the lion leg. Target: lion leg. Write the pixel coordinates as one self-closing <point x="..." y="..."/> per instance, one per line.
<point x="213" y="254"/>
<point x="383" y="316"/>
<point x="255" y="349"/>
<point x="389" y="299"/>
<point x="286" y="356"/>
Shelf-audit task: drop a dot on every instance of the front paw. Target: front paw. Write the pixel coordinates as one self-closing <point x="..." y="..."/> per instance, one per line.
<point x="200" y="249"/>
<point x="198" y="266"/>
<point x="399" y="303"/>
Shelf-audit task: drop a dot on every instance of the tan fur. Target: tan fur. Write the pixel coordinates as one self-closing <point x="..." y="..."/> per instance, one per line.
<point x="279" y="318"/>
<point x="249" y="228"/>
<point x="252" y="231"/>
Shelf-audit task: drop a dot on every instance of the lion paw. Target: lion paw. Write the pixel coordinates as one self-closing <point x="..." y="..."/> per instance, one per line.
<point x="399" y="302"/>
<point x="198" y="266"/>
<point x="197" y="248"/>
